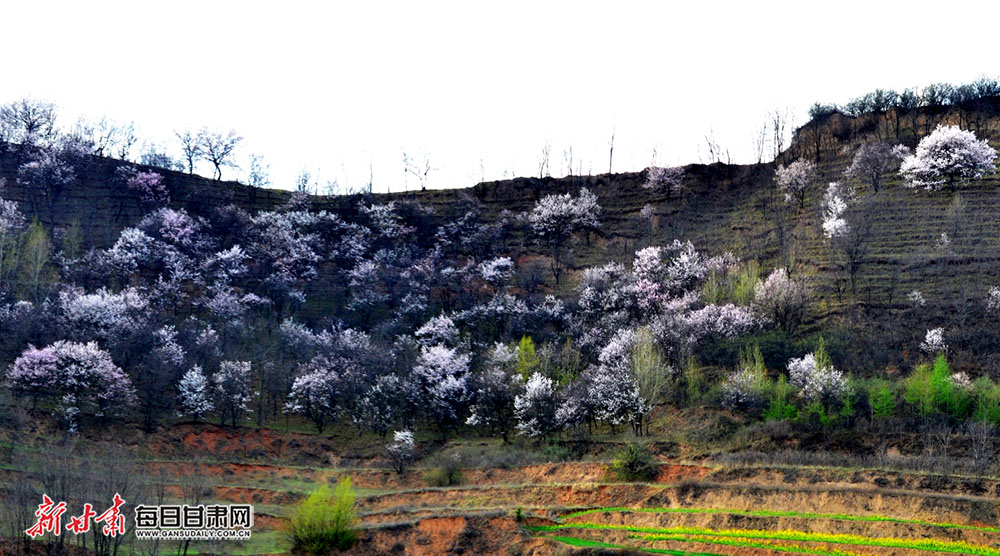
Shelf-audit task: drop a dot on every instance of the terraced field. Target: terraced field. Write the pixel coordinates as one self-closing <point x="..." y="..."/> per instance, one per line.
<point x="559" y="508"/>
<point x="694" y="505"/>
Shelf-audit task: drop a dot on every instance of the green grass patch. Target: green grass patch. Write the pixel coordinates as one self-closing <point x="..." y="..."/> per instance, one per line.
<point x="671" y="533"/>
<point x="804" y="515"/>
<point x="747" y="543"/>
<point x="587" y="543"/>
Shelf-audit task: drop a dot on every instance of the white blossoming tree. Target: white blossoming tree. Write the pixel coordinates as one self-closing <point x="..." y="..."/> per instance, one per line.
<point x="835" y="202"/>
<point x="747" y="388"/>
<point x="497" y="272"/>
<point x="193" y="394"/>
<point x="664" y="181"/>
<point x="873" y="161"/>
<point x="816" y="377"/>
<point x="12" y="222"/>
<point x="795" y="180"/>
<point x="443" y="374"/>
<point x="381" y="404"/>
<point x="948" y="157"/>
<point x="78" y="373"/>
<point x="848" y="222"/>
<point x="535" y="407"/>
<point x="992" y="301"/>
<point x="556" y="218"/>
<point x="782" y="299"/>
<point x="316" y="394"/>
<point x="496" y="389"/>
<point x="611" y="388"/>
<point x="233" y="390"/>
<point x="438" y="330"/>
<point x="934" y="342"/>
<point x="402" y="450"/>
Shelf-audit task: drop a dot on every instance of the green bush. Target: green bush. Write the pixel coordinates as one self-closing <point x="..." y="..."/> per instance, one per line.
<point x="930" y="390"/>
<point x="747" y="283"/>
<point x="919" y="390"/>
<point x="634" y="462"/>
<point x="881" y="398"/>
<point x="814" y="413"/>
<point x="325" y="521"/>
<point x="719" y="287"/>
<point x="986" y="396"/>
<point x="527" y="359"/>
<point x="553" y="452"/>
<point x="695" y="382"/>
<point x="445" y="475"/>
<point x="781" y="405"/>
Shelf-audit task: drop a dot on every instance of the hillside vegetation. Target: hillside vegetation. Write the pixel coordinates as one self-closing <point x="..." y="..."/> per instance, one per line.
<point x="616" y="361"/>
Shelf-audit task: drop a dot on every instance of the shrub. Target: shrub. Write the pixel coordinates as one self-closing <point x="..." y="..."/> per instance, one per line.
<point x="694" y="382"/>
<point x="719" y="287"/>
<point x="881" y="399"/>
<point x="933" y="389"/>
<point x="814" y="413"/>
<point x="634" y="462"/>
<point x="919" y="392"/>
<point x="986" y="396"/>
<point x="556" y="452"/>
<point x="746" y="283"/>
<point x="781" y="406"/>
<point x="449" y="474"/>
<point x="325" y="521"/>
<point x="527" y="359"/>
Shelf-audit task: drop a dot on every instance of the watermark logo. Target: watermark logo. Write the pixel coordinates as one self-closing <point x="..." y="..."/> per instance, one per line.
<point x="209" y="522"/>
<point x="168" y="522"/>
<point x="49" y="519"/>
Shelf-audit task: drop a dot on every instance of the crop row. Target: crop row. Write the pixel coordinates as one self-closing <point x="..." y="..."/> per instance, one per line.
<point x="692" y="534"/>
<point x="735" y="542"/>
<point x="775" y="513"/>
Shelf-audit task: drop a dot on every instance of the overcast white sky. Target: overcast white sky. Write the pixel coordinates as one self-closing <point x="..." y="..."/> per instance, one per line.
<point x="336" y="86"/>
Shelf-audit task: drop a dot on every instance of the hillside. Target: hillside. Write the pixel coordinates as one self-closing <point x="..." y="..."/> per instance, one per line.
<point x="722" y="208"/>
<point x="240" y="345"/>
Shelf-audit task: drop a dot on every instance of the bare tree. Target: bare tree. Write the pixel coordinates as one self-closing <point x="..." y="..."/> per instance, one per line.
<point x="99" y="136"/>
<point x="218" y="149"/>
<point x="302" y="184"/>
<point x="760" y="143"/>
<point x="716" y="154"/>
<point x="125" y="139"/>
<point x="190" y="148"/>
<point x="778" y="123"/>
<point x="259" y="173"/>
<point x="611" y="149"/>
<point x="855" y="245"/>
<point x="543" y="160"/>
<point x="981" y="443"/>
<point x="27" y="121"/>
<point x="419" y="166"/>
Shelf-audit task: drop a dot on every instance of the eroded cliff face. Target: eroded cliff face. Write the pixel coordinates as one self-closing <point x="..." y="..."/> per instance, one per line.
<point x="99" y="202"/>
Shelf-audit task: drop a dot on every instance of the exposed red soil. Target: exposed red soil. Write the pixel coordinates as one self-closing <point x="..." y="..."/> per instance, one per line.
<point x="438" y="536"/>
<point x="404" y="516"/>
<point x="186" y="441"/>
<point x="552" y="473"/>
